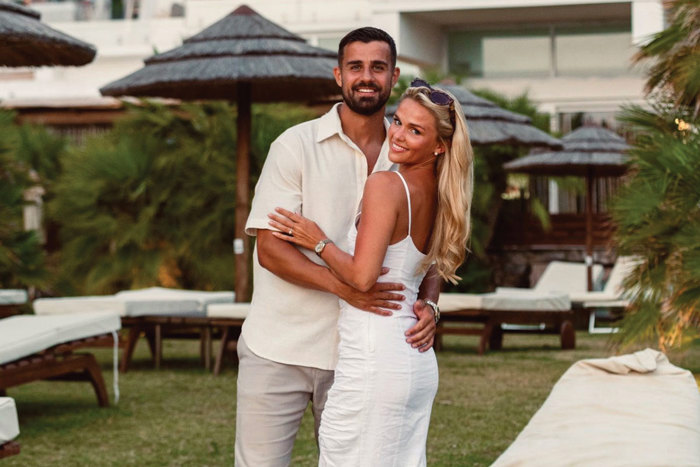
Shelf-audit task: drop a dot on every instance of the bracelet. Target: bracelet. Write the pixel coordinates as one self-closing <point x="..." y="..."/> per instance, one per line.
<point x="436" y="309"/>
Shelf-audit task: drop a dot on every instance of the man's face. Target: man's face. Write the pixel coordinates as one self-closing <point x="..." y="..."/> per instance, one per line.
<point x="366" y="76"/>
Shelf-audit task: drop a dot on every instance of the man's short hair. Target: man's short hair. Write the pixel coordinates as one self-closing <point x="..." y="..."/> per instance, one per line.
<point x="366" y="35"/>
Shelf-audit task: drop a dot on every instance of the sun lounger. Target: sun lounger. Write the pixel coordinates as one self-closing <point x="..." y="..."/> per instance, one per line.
<point x="562" y="277"/>
<point x="229" y="317"/>
<point x="632" y="410"/>
<point x="11" y="300"/>
<point x="147" y="311"/>
<point x="41" y="347"/>
<point x="611" y="299"/>
<point x="516" y="306"/>
<point x="9" y="427"/>
<point x="570" y="278"/>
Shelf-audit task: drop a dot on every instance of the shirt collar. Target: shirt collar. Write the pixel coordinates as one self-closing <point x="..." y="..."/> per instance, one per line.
<point x="329" y="125"/>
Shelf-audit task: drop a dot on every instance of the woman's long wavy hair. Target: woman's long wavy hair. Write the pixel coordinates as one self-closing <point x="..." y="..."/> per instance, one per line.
<point x="455" y="175"/>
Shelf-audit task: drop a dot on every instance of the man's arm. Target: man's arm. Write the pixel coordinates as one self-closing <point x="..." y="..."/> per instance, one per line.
<point x="422" y="334"/>
<point x="287" y="262"/>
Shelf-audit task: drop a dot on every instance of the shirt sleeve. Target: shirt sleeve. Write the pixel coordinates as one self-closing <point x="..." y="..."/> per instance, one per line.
<point x="279" y="184"/>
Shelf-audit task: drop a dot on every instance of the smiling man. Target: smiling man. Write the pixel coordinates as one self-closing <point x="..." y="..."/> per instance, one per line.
<point x="288" y="346"/>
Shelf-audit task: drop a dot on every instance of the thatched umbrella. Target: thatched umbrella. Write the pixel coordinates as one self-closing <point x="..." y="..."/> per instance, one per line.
<point x="243" y="57"/>
<point x="589" y="152"/>
<point x="490" y="124"/>
<point x="26" y="41"/>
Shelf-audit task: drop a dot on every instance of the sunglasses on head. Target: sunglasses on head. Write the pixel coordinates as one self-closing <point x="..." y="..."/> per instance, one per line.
<point x="437" y="97"/>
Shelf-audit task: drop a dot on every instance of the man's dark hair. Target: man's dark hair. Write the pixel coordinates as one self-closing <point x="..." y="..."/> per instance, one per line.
<point x="366" y="35"/>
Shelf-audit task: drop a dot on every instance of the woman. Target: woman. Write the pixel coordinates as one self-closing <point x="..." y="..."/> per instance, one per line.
<point x="378" y="409"/>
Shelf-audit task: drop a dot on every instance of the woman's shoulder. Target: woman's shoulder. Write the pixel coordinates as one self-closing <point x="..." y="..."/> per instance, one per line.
<point x="383" y="182"/>
<point x="384" y="187"/>
<point x="385" y="177"/>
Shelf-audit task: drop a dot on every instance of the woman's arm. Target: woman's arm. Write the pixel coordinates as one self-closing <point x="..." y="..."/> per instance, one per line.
<point x="379" y="215"/>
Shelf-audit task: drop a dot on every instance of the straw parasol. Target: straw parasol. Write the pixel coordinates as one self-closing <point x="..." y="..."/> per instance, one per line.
<point x="588" y="152"/>
<point x="242" y="57"/>
<point x="26" y="41"/>
<point x="490" y="124"/>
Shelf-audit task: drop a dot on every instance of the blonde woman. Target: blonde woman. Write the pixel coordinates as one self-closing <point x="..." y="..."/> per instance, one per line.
<point x="378" y="409"/>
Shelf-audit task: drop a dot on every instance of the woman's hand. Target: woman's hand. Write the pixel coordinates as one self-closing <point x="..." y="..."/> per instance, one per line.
<point x="295" y="228"/>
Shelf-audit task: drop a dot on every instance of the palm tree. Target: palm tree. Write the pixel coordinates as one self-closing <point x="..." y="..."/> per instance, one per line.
<point x="658" y="220"/>
<point x="658" y="212"/>
<point x="675" y="53"/>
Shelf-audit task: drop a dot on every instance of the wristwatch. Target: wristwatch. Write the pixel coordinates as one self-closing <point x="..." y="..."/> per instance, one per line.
<point x="436" y="309"/>
<point x="321" y="245"/>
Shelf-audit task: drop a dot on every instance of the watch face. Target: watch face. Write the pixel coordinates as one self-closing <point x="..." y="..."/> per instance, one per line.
<point x="319" y="247"/>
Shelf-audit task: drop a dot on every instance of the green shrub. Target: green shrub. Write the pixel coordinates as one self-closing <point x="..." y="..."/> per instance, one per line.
<point x="152" y="201"/>
<point x="21" y="254"/>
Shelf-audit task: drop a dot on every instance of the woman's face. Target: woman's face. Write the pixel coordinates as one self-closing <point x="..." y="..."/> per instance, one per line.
<point x="413" y="136"/>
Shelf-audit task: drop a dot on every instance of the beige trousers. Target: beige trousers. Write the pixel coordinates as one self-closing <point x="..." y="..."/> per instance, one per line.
<point x="272" y="398"/>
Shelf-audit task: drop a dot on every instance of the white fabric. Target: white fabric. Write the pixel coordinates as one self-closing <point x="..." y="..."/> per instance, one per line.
<point x="228" y="310"/>
<point x="154" y="301"/>
<point x="460" y="301"/>
<point x="9" y="425"/>
<point x="378" y="409"/>
<point x="160" y="293"/>
<point x="316" y="169"/>
<point x="606" y="304"/>
<point x="633" y="410"/>
<point x="510" y="300"/>
<point x="24" y="335"/>
<point x="562" y="276"/>
<point x="13" y="296"/>
<point x="613" y="287"/>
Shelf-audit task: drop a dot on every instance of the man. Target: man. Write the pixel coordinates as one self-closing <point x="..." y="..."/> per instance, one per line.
<point x="287" y="350"/>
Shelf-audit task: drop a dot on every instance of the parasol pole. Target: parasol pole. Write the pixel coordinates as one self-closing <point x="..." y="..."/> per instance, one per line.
<point x="589" y="228"/>
<point x="241" y="246"/>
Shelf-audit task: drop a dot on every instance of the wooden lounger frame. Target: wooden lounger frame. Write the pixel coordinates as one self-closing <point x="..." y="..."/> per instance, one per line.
<point x="59" y="363"/>
<point x="9" y="310"/>
<point x="8" y="449"/>
<point x="491" y="332"/>
<point x="155" y="328"/>
<point x="231" y="330"/>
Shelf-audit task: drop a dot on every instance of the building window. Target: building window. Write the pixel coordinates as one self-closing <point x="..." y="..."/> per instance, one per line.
<point x="330" y="43"/>
<point x="500" y="54"/>
<point x="538" y="52"/>
<point x="586" y="51"/>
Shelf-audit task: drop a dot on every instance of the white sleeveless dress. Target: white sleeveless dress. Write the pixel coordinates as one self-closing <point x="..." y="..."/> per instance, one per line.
<point x="378" y="409"/>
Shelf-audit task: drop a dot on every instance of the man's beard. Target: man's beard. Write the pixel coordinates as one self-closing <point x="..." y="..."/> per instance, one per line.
<point x="366" y="105"/>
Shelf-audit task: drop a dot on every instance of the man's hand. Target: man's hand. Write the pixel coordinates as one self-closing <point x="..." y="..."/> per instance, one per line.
<point x="380" y="299"/>
<point x="422" y="335"/>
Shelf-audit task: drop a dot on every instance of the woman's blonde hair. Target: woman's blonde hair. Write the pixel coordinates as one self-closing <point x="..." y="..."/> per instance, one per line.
<point x="455" y="175"/>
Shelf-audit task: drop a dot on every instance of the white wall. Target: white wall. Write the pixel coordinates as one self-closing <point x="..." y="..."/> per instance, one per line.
<point x="123" y="44"/>
<point x="647" y="19"/>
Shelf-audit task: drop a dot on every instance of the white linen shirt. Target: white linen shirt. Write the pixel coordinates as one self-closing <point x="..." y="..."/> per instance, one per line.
<point x="315" y="169"/>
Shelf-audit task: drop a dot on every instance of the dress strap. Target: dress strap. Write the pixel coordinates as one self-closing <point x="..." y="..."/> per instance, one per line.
<point x="408" y="197"/>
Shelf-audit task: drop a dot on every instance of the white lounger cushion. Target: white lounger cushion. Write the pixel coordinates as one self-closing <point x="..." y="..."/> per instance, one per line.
<point x="228" y="310"/>
<point x="160" y="293"/>
<point x="567" y="277"/>
<point x="632" y="410"/>
<point x="9" y="426"/>
<point x="145" y="302"/>
<point x="520" y="300"/>
<point x="13" y="296"/>
<point x="24" y="335"/>
<point x="613" y="287"/>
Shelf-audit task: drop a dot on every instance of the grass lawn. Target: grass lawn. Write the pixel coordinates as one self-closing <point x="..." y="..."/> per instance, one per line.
<point x="182" y="415"/>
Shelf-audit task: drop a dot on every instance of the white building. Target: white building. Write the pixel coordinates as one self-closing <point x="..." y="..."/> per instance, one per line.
<point x="570" y="56"/>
